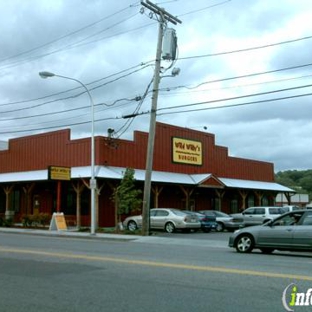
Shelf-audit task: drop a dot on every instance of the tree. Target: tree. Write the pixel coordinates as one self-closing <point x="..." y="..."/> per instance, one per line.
<point x="126" y="197"/>
<point x="299" y="180"/>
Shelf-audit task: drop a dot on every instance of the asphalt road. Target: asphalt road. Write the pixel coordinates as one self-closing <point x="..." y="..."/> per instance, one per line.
<point x="177" y="272"/>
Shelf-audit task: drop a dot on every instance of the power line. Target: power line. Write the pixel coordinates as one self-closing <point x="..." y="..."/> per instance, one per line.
<point x="239" y="77"/>
<point x="59" y="126"/>
<point x="246" y="49"/>
<point x="203" y="9"/>
<point x="72" y="96"/>
<point x="237" y="97"/>
<point x="108" y="106"/>
<point x="72" y="45"/>
<point x="128" y="123"/>
<point x="66" y="36"/>
<point x="235" y="105"/>
<point x="136" y="111"/>
<point x="72" y="89"/>
<point x="233" y="86"/>
<point x="161" y="114"/>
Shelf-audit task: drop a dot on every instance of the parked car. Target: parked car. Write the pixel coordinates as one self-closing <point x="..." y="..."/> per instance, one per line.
<point x="208" y="222"/>
<point x="224" y="221"/>
<point x="290" y="231"/>
<point x="258" y="215"/>
<point x="167" y="219"/>
<point x="290" y="208"/>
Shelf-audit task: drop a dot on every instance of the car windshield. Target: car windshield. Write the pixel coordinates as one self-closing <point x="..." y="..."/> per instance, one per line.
<point x="208" y="212"/>
<point x="221" y="214"/>
<point x="178" y="212"/>
<point x="287" y="220"/>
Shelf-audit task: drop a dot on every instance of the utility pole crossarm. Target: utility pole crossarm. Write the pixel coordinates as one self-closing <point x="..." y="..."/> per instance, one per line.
<point x="160" y="11"/>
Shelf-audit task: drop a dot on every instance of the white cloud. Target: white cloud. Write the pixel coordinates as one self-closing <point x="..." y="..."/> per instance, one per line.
<point x="276" y="131"/>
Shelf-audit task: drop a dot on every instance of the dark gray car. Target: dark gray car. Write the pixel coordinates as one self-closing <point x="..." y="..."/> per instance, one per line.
<point x="224" y="221"/>
<point x="291" y="231"/>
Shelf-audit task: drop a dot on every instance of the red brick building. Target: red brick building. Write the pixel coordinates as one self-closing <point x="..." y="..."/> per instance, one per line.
<point x="189" y="171"/>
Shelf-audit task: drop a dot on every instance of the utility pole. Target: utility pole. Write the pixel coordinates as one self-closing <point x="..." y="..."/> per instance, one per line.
<point x="163" y="17"/>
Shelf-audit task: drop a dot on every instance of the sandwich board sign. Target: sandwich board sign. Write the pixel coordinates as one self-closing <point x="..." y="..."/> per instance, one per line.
<point x="58" y="222"/>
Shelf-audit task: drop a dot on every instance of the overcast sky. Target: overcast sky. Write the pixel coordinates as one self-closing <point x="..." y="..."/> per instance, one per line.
<point x="254" y="51"/>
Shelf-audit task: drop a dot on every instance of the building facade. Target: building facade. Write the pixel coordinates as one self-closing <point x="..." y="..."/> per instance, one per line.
<point x="189" y="172"/>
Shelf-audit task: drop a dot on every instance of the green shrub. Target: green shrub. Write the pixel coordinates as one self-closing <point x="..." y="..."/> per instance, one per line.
<point x="26" y="220"/>
<point x="35" y="220"/>
<point x="6" y="222"/>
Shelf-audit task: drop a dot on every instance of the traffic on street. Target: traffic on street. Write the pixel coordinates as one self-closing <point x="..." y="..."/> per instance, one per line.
<point x="162" y="272"/>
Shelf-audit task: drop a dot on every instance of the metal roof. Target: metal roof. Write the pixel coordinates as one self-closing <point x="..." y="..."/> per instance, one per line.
<point x="37" y="175"/>
<point x="108" y="172"/>
<point x="255" y="185"/>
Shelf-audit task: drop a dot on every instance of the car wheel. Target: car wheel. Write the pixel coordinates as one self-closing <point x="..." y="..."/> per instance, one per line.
<point x="169" y="227"/>
<point x="132" y="226"/>
<point x="267" y="251"/>
<point x="244" y="243"/>
<point x="220" y="227"/>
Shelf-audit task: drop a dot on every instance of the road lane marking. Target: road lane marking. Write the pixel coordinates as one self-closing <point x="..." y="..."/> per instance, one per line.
<point x="158" y="264"/>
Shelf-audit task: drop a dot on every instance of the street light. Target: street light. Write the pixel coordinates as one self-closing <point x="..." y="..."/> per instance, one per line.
<point x="45" y="74"/>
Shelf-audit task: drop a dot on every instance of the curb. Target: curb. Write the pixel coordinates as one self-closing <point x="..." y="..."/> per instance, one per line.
<point x="70" y="233"/>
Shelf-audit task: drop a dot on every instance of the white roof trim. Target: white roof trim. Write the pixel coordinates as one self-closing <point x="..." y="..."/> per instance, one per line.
<point x="255" y="185"/>
<point x="37" y="175"/>
<point x="108" y="172"/>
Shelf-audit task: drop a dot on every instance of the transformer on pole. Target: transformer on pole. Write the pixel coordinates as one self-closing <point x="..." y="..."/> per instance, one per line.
<point x="163" y="17"/>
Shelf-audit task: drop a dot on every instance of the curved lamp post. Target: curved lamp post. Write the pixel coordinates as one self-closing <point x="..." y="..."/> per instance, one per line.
<point x="45" y="74"/>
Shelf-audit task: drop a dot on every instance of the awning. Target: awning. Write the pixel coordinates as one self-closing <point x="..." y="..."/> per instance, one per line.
<point x="116" y="173"/>
<point x="255" y="185"/>
<point x="24" y="176"/>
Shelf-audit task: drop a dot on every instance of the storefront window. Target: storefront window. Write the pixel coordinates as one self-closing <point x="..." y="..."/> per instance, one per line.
<point x="265" y="201"/>
<point x="251" y="200"/>
<point x="234" y="206"/>
<point x="2" y="202"/>
<point x="217" y="203"/>
<point x="15" y="201"/>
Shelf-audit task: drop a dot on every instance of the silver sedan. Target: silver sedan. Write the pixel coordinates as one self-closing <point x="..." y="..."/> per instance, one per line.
<point x="167" y="219"/>
<point x="291" y="231"/>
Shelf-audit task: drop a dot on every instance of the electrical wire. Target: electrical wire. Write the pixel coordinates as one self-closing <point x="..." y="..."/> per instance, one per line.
<point x="72" y="96"/>
<point x="239" y="77"/>
<point x="245" y="49"/>
<point x="67" y="35"/>
<point x="203" y="9"/>
<point x="128" y="123"/>
<point x="76" y="88"/>
<point x="166" y="113"/>
<point x="239" y="97"/>
<point x="232" y="105"/>
<point x="72" y="45"/>
<point x="232" y="87"/>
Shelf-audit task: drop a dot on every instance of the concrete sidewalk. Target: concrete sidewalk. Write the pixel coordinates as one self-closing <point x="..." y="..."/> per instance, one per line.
<point x="71" y="232"/>
<point x="153" y="239"/>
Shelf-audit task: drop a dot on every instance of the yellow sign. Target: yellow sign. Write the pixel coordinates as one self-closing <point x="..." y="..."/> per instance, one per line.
<point x="58" y="222"/>
<point x="59" y="173"/>
<point x="187" y="151"/>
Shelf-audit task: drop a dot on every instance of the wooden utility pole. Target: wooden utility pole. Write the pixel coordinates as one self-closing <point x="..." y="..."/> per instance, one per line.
<point x="163" y="18"/>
